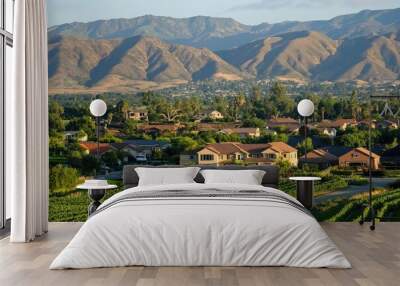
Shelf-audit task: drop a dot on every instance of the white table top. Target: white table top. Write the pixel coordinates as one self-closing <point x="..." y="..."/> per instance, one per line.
<point x="92" y="187"/>
<point x="305" y="178"/>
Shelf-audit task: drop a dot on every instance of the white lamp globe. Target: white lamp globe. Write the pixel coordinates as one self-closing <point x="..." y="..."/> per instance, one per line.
<point x="98" y="108"/>
<point x="305" y="108"/>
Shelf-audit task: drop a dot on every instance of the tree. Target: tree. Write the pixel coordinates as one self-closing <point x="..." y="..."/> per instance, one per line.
<point x="75" y="159"/>
<point x="56" y="123"/>
<point x="111" y="159"/>
<point x="89" y="165"/>
<point x="191" y="107"/>
<point x="354" y="105"/>
<point x="63" y="178"/>
<point x="356" y="139"/>
<point x="256" y="94"/>
<point x="109" y="138"/>
<point x="121" y="111"/>
<point x="282" y="103"/>
<point x="184" y="144"/>
<point x="85" y="123"/>
<point x="254" y="122"/>
<point x="56" y="144"/>
<point x="169" y="111"/>
<point x="305" y="146"/>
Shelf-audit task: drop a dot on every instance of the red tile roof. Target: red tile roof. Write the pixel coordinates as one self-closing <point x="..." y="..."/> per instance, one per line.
<point x="231" y="148"/>
<point x="92" y="147"/>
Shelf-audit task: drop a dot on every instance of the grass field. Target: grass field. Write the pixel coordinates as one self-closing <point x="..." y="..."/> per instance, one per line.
<point x="72" y="206"/>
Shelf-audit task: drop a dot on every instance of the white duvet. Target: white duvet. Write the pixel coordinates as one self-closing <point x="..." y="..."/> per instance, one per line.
<point x="200" y="232"/>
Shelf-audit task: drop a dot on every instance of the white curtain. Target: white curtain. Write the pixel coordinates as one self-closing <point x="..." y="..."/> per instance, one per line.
<point x="27" y="124"/>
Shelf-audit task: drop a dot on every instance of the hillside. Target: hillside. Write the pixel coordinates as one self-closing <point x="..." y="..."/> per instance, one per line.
<point x="291" y="55"/>
<point x="366" y="58"/>
<point x="136" y="63"/>
<point x="225" y="33"/>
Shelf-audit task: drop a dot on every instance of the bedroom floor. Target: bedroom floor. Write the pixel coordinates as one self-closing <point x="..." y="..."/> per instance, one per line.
<point x="375" y="257"/>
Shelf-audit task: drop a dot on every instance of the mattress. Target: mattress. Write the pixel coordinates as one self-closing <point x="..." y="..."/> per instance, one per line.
<point x="201" y="225"/>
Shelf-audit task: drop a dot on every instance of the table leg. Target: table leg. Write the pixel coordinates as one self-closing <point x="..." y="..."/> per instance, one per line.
<point x="305" y="193"/>
<point x="95" y="196"/>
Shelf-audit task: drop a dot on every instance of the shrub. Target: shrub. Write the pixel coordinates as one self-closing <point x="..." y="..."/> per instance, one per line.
<point x="63" y="179"/>
<point x="358" y="181"/>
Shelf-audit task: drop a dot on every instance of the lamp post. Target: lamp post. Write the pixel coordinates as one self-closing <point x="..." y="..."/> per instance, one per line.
<point x="98" y="108"/>
<point x="305" y="108"/>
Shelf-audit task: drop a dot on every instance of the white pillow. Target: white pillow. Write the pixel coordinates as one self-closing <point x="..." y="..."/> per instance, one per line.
<point x="166" y="176"/>
<point x="244" y="177"/>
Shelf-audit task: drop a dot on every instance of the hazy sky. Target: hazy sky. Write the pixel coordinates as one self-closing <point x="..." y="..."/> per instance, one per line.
<point x="245" y="11"/>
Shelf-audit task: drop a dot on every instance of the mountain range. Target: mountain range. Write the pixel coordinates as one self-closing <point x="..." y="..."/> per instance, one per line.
<point x="116" y="55"/>
<point x="224" y="33"/>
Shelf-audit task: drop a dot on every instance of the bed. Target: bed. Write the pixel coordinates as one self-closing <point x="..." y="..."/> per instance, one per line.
<point x="198" y="224"/>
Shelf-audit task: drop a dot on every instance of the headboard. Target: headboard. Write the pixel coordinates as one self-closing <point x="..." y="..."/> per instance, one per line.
<point x="271" y="178"/>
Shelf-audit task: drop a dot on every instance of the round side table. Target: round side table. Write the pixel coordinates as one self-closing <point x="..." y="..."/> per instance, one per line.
<point x="305" y="190"/>
<point x="96" y="192"/>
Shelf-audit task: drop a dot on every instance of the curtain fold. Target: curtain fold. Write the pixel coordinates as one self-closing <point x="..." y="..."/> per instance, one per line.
<point x="27" y="124"/>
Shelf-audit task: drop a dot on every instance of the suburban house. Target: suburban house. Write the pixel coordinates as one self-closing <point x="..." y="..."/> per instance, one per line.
<point x="116" y="132"/>
<point x="343" y="124"/>
<point x="391" y="157"/>
<point x="214" y="127"/>
<point x="75" y="136"/>
<point x="90" y="148"/>
<point x="359" y="157"/>
<point x="135" y="148"/>
<point x="320" y="158"/>
<point x="325" y="127"/>
<point x="257" y="154"/>
<point x="158" y="129"/>
<point x="242" y="132"/>
<point x="365" y="124"/>
<point x="387" y="124"/>
<point x="215" y="115"/>
<point x="138" y="114"/>
<point x="292" y="125"/>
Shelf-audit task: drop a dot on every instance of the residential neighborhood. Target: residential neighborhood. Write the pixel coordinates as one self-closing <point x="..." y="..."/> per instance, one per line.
<point x="225" y="153"/>
<point x="249" y="154"/>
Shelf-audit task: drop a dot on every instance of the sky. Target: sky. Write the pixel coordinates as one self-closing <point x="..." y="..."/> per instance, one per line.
<point x="245" y="11"/>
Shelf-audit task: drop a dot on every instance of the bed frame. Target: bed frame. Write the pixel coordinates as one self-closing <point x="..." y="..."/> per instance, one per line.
<point x="271" y="178"/>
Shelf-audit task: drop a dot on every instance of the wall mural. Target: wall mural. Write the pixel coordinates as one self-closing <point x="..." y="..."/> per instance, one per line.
<point x="210" y="90"/>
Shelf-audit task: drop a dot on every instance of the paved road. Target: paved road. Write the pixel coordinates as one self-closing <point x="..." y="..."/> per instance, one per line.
<point x="353" y="190"/>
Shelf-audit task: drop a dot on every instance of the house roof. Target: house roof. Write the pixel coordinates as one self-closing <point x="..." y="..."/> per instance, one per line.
<point x="342" y="121"/>
<point x="320" y="156"/>
<point x="290" y="123"/>
<point x="365" y="151"/>
<point x="92" y="147"/>
<point x="282" y="147"/>
<point x="337" y="150"/>
<point x="394" y="152"/>
<point x="139" y="109"/>
<point x="116" y="132"/>
<point x="215" y="126"/>
<point x="146" y="143"/>
<point x="240" y="130"/>
<point x="254" y="148"/>
<point x="324" y="124"/>
<point x="160" y="127"/>
<point x="231" y="148"/>
<point x="225" y="148"/>
<point x="387" y="123"/>
<point x="282" y="120"/>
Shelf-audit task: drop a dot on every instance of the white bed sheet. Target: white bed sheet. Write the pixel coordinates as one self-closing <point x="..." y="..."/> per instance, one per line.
<point x="200" y="232"/>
